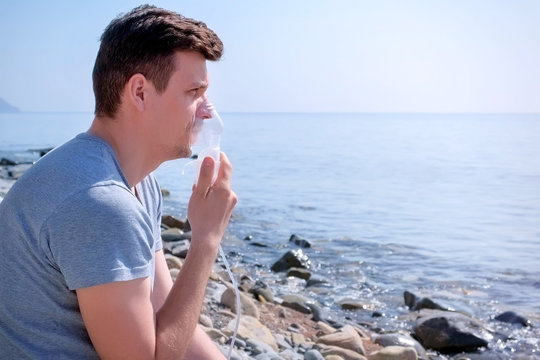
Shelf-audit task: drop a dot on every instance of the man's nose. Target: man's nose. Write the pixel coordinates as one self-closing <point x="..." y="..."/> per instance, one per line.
<point x="204" y="109"/>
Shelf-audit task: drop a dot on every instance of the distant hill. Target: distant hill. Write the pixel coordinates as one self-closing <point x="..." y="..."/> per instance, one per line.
<point x="7" y="108"/>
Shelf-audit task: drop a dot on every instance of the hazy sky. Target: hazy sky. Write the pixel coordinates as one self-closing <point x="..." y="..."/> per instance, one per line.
<point x="300" y="56"/>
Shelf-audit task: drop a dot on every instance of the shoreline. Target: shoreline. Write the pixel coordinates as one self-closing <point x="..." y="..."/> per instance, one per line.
<point x="298" y="327"/>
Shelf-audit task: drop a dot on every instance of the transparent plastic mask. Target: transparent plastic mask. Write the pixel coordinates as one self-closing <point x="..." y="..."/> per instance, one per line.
<point x="206" y="136"/>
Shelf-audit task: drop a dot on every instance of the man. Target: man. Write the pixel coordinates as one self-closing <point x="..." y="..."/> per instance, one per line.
<point x="83" y="271"/>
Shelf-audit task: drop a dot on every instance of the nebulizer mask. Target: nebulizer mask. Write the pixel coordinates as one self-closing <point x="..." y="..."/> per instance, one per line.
<point x="205" y="140"/>
<point x="206" y="136"/>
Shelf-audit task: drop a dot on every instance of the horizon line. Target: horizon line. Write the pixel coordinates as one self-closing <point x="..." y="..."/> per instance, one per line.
<point x="313" y="112"/>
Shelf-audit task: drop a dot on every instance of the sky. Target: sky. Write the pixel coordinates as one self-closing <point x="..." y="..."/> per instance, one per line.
<point x="392" y="56"/>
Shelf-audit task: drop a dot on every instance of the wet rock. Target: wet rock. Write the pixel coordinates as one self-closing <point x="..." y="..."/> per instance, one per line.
<point x="450" y="332"/>
<point x="320" y="314"/>
<point x="228" y="298"/>
<point x="346" y="338"/>
<point x="292" y="258"/>
<point x="299" y="273"/>
<point x="258" y="244"/>
<point x="354" y="305"/>
<point x="511" y="317"/>
<point x="415" y="303"/>
<point x="297" y="303"/>
<point x="394" y="353"/>
<point x="262" y="289"/>
<point x="400" y="340"/>
<point x="298" y="241"/>
<point x="317" y="281"/>
<point x="165" y="192"/>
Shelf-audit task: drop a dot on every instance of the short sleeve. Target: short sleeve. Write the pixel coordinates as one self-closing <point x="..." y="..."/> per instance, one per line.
<point x="100" y="235"/>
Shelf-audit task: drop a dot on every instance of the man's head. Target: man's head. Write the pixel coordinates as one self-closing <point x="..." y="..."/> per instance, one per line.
<point x="145" y="41"/>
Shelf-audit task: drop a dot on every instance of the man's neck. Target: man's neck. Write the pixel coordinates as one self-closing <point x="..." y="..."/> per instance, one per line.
<point x="134" y="159"/>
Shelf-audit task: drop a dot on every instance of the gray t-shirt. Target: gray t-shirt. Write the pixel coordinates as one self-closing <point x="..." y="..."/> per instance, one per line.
<point x="71" y="221"/>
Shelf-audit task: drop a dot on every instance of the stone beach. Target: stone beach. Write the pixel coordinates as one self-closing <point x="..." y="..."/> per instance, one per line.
<point x="279" y="325"/>
<point x="293" y="327"/>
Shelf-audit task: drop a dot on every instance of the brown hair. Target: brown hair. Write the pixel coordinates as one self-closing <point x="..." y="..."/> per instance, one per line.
<point x="144" y="41"/>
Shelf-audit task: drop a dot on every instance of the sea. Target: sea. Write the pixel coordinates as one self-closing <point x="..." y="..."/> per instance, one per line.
<point x="446" y="206"/>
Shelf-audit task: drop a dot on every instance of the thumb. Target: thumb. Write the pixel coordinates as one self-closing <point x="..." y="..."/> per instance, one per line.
<point x="205" y="175"/>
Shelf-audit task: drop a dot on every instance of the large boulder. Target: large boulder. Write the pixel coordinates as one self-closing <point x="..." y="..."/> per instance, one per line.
<point x="450" y="332"/>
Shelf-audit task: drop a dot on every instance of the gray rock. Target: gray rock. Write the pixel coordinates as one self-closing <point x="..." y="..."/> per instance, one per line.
<point x="313" y="355"/>
<point x="512" y="318"/>
<point x="175" y="234"/>
<point x="234" y="355"/>
<point x="450" y="332"/>
<point x="292" y="258"/>
<point x="400" y="340"/>
<point x="239" y="343"/>
<point x="180" y="248"/>
<point x="320" y="314"/>
<point x="297" y="240"/>
<point x="262" y="289"/>
<point x="267" y="356"/>
<point x="297" y="303"/>
<point x="282" y="342"/>
<point x="299" y="273"/>
<point x="289" y="354"/>
<point x="259" y="347"/>
<point x="317" y="281"/>
<point x="415" y="303"/>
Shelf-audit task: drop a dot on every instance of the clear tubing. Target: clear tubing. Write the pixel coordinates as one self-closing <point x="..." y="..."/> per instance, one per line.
<point x="238" y="302"/>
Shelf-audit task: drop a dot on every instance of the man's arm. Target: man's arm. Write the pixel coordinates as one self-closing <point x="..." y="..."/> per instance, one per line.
<point x="120" y="316"/>
<point x="201" y="346"/>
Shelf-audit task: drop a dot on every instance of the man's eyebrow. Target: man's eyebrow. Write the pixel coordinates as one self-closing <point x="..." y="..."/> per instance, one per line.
<point x="199" y="84"/>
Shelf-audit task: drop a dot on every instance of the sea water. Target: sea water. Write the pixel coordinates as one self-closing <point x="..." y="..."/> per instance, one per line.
<point x="442" y="205"/>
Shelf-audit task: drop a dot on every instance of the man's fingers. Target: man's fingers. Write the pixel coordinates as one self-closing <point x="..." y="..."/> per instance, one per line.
<point x="205" y="176"/>
<point x="225" y="170"/>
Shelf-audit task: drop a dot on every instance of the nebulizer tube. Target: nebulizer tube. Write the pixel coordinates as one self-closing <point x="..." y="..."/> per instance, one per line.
<point x="206" y="134"/>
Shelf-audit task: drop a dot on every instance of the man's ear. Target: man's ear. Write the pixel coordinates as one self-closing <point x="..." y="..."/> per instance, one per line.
<point x="136" y="91"/>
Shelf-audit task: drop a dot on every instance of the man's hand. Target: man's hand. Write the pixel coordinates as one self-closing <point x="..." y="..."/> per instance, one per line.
<point x="211" y="206"/>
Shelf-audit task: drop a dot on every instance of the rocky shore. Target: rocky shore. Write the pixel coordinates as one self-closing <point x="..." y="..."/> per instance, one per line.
<point x="293" y="327"/>
<point x="277" y="323"/>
